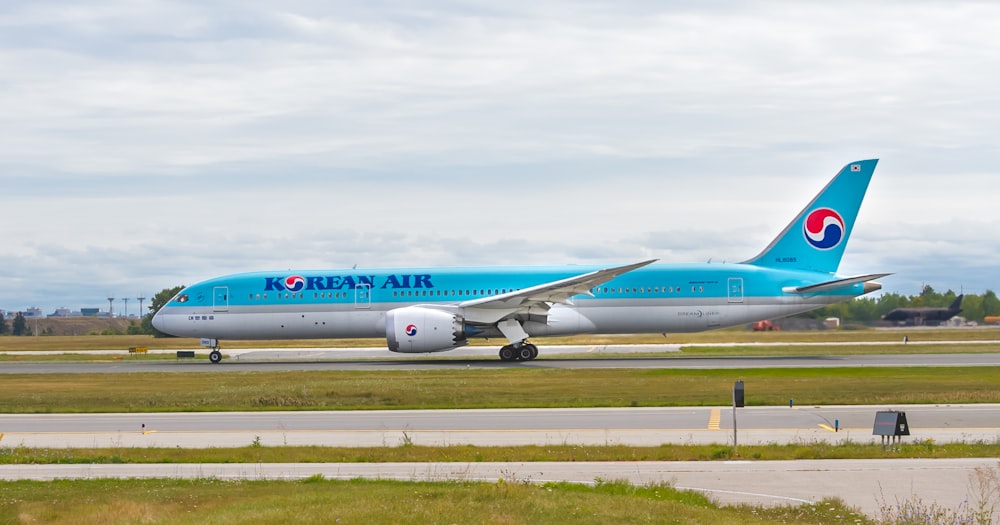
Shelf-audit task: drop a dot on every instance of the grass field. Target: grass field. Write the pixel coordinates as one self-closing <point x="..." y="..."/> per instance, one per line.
<point x="317" y="500"/>
<point x="477" y="388"/>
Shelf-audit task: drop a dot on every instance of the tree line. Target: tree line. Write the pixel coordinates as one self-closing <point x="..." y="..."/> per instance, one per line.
<point x="868" y="310"/>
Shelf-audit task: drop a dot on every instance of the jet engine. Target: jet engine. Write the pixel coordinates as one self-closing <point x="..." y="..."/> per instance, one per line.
<point x="416" y="329"/>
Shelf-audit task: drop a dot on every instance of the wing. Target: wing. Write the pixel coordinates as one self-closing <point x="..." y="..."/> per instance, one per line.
<point x="537" y="300"/>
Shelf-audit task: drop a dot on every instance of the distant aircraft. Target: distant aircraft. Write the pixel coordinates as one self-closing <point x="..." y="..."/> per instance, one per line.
<point x="920" y="315"/>
<point x="420" y="310"/>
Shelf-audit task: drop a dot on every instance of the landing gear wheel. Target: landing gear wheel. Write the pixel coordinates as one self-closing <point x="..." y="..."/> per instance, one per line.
<point x="215" y="357"/>
<point x="525" y="354"/>
<point x="507" y="353"/>
<point x="534" y="352"/>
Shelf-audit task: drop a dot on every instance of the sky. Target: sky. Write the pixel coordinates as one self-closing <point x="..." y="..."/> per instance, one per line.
<point x="148" y="144"/>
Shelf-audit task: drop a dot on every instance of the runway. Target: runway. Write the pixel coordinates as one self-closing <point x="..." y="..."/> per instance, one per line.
<point x="650" y="426"/>
<point x="858" y="482"/>
<point x="576" y="357"/>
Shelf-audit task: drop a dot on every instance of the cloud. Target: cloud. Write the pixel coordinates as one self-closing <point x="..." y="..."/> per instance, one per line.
<point x="156" y="142"/>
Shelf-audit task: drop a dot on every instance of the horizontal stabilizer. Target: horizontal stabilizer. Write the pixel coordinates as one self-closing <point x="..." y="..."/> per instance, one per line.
<point x="839" y="283"/>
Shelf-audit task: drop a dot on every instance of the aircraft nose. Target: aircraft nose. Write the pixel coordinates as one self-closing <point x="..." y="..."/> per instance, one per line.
<point x="159" y="322"/>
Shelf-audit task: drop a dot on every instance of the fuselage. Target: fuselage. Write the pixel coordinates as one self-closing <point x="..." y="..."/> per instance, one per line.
<point x="352" y="303"/>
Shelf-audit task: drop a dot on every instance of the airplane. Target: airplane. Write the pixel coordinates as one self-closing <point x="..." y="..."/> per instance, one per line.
<point x="921" y="314"/>
<point x="424" y="310"/>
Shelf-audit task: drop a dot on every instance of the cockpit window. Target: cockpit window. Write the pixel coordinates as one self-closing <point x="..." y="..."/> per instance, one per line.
<point x="182" y="298"/>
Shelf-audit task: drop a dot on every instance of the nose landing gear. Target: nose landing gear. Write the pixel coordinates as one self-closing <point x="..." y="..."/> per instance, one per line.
<point x="215" y="356"/>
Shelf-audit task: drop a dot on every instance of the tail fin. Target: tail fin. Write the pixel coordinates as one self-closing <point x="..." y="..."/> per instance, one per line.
<point x="816" y="238"/>
<point x="956" y="305"/>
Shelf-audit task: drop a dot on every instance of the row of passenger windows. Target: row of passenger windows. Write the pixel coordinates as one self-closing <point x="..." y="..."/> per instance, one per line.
<point x="482" y="292"/>
<point x="451" y="293"/>
<point x="642" y="289"/>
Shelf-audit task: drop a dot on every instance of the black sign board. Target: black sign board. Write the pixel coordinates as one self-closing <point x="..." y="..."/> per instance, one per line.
<point x="890" y="423"/>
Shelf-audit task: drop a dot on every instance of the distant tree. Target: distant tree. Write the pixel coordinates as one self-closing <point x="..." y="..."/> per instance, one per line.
<point x="870" y="310"/>
<point x="3" y="323"/>
<point x="890" y="301"/>
<point x="972" y="308"/>
<point x="864" y="310"/>
<point x="157" y="302"/>
<point x="135" y="328"/>
<point x="991" y="304"/>
<point x="20" y="325"/>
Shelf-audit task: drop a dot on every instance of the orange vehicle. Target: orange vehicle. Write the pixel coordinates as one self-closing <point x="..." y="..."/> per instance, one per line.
<point x="765" y="326"/>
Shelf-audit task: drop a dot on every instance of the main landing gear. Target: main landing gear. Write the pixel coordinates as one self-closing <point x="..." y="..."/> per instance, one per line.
<point x="519" y="348"/>
<point x="522" y="352"/>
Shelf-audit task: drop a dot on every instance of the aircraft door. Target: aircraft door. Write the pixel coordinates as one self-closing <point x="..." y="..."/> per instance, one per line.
<point x="363" y="295"/>
<point x="735" y="289"/>
<point x="220" y="299"/>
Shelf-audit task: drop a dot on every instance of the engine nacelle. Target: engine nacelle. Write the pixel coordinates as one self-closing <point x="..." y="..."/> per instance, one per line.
<point x="416" y="329"/>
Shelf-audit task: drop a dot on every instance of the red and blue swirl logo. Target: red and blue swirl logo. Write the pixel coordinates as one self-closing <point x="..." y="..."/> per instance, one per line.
<point x="823" y="228"/>
<point x="294" y="283"/>
<point x="411" y="330"/>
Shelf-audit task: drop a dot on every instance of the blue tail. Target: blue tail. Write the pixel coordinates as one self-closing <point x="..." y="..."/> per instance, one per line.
<point x="816" y="238"/>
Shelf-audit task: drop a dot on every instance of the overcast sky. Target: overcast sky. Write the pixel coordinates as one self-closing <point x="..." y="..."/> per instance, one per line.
<point x="148" y="144"/>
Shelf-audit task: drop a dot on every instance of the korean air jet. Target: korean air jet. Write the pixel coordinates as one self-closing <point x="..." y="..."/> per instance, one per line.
<point x="420" y="310"/>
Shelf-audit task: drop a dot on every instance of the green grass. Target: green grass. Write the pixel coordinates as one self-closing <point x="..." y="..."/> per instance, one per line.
<point x="19" y="455"/>
<point x="476" y="388"/>
<point x="318" y="500"/>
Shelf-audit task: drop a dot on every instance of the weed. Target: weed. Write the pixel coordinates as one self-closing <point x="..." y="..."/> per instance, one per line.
<point x="981" y="510"/>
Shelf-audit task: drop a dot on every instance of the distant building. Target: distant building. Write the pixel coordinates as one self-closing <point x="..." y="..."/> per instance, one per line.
<point x="61" y="312"/>
<point x="34" y="312"/>
<point x="89" y="312"/>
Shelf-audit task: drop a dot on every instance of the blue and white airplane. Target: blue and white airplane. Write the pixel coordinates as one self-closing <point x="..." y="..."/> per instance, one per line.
<point x="421" y="310"/>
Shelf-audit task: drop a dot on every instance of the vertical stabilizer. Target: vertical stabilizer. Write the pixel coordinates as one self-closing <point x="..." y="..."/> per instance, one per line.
<point x="816" y="238"/>
<point x="956" y="305"/>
